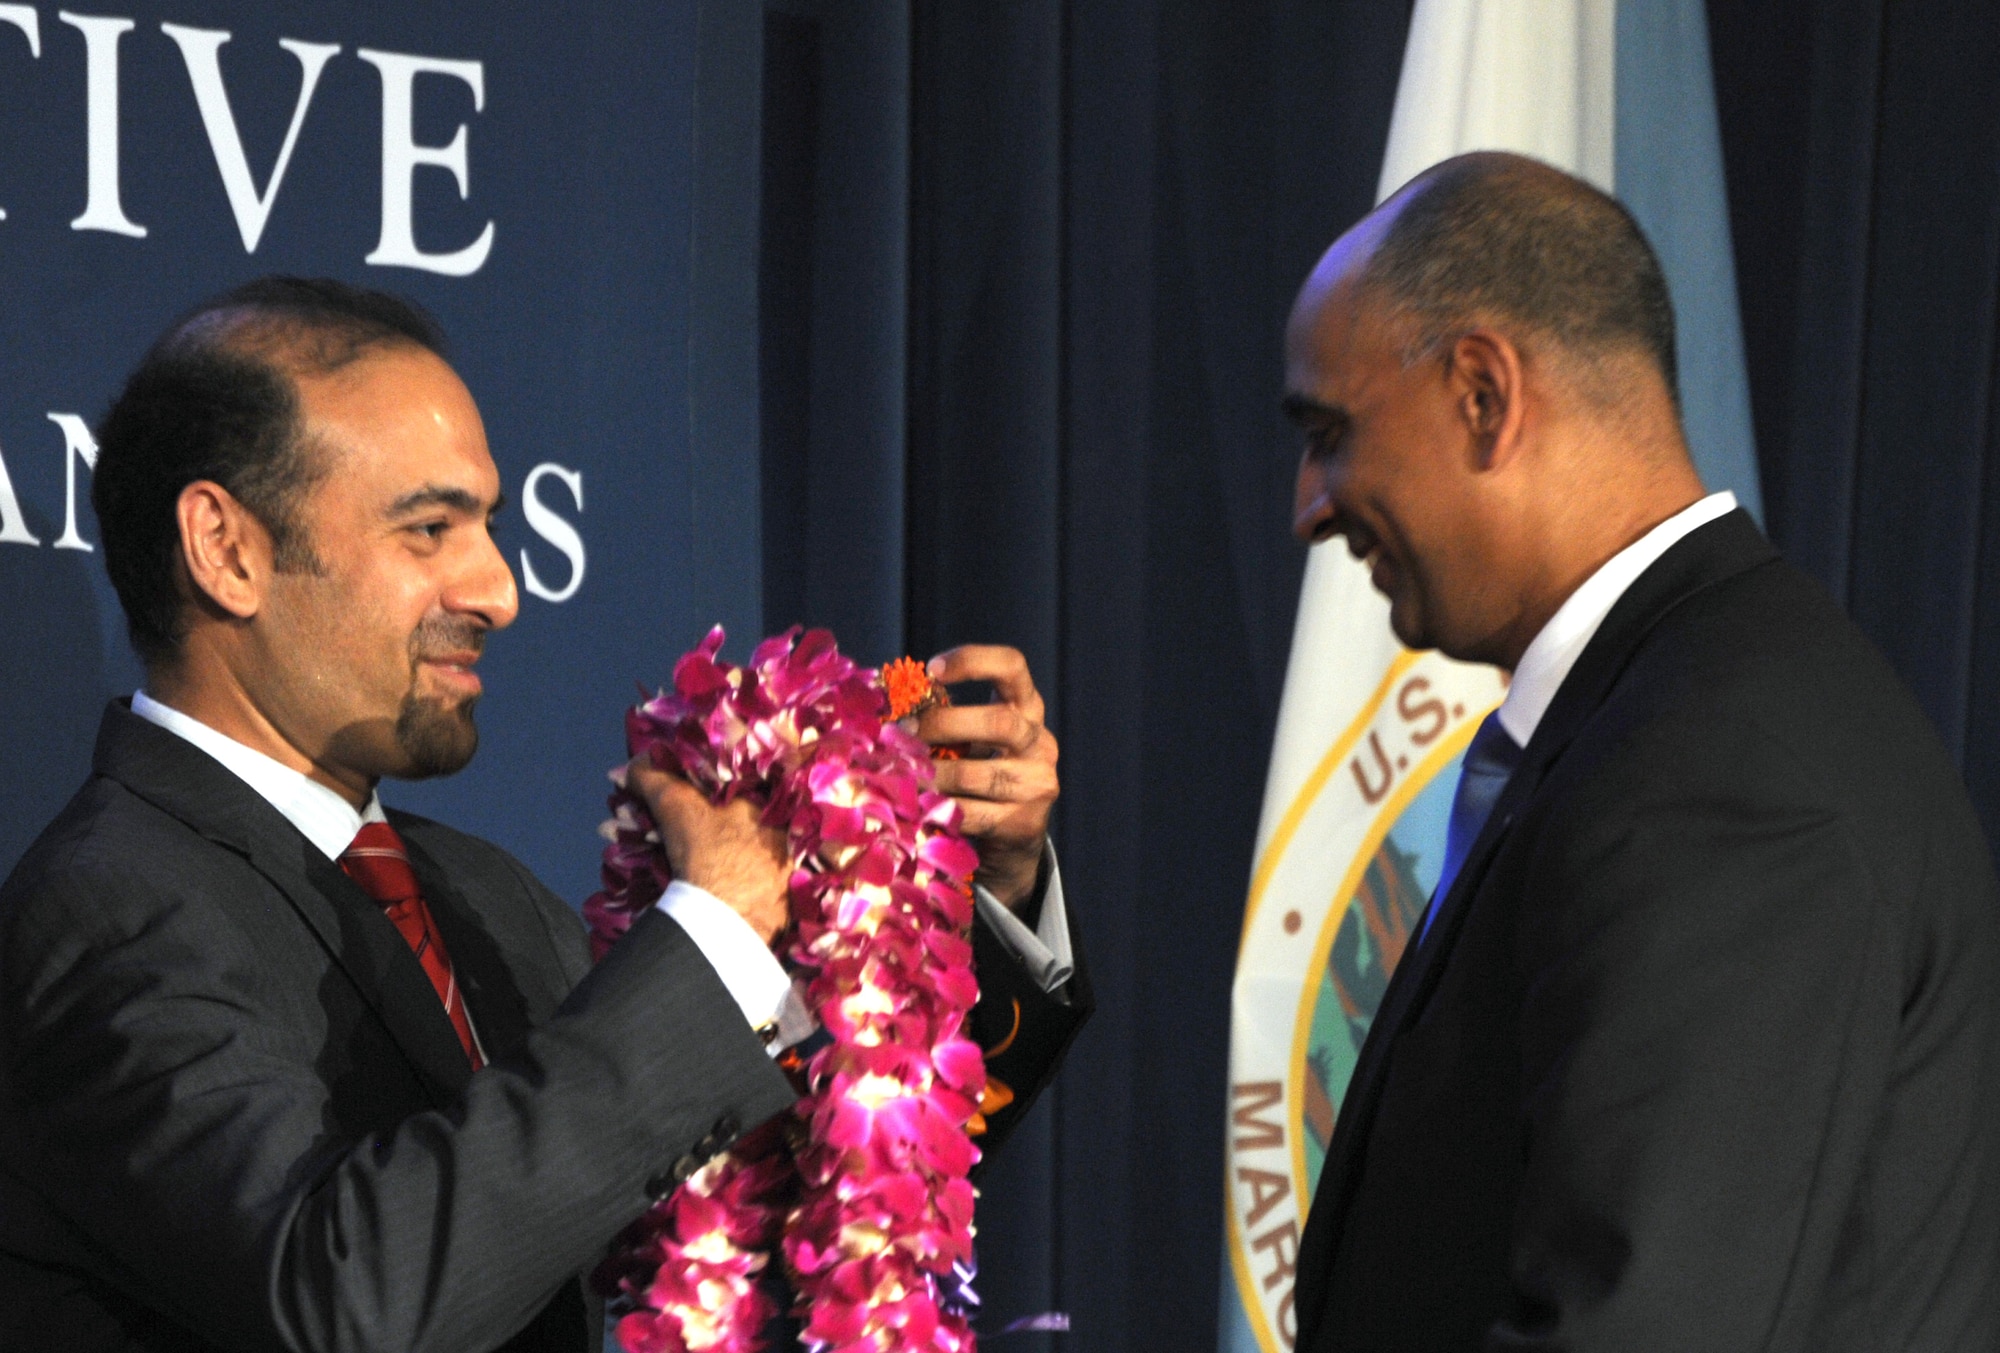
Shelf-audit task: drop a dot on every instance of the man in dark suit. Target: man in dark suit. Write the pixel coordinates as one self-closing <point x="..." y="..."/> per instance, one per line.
<point x="280" y="1070"/>
<point x="1697" y="1049"/>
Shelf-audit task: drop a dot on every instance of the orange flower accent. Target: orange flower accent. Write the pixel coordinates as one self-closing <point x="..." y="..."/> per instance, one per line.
<point x="996" y="1096"/>
<point x="910" y="688"/>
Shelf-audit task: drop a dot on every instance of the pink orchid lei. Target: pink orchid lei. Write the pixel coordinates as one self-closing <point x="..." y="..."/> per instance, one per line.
<point x="861" y="1192"/>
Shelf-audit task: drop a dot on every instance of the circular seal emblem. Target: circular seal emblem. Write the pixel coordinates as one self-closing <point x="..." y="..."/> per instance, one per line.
<point x="1337" y="893"/>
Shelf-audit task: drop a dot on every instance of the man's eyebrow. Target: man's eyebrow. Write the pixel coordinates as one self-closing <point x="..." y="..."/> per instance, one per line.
<point x="441" y="495"/>
<point x="1305" y="409"/>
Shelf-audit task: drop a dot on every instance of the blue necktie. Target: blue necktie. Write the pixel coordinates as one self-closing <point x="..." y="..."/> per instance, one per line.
<point x="1489" y="761"/>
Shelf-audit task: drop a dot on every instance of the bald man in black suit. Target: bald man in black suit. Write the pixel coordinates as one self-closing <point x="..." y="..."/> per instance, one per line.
<point x="1698" y="1049"/>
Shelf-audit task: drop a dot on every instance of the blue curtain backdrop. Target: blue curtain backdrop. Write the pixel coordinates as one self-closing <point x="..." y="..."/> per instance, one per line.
<point x="1100" y="215"/>
<point x="1863" y="148"/>
<point x="1107" y="208"/>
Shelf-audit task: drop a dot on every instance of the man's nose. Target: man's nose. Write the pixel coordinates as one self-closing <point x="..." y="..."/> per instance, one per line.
<point x="1314" y="517"/>
<point x="486" y="586"/>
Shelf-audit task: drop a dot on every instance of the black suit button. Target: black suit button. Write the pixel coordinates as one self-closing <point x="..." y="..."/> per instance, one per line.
<point x="722" y="1135"/>
<point x="660" y="1185"/>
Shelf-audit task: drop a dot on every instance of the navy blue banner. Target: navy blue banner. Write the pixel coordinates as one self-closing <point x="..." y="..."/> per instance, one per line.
<point x="530" y="174"/>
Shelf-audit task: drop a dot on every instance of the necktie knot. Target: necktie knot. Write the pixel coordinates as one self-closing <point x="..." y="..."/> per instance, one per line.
<point x="376" y="860"/>
<point x="1493" y="754"/>
<point x="1490" y="761"/>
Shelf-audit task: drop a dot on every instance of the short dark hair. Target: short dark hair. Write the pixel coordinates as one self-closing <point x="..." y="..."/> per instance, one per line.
<point x="214" y="399"/>
<point x="1496" y="236"/>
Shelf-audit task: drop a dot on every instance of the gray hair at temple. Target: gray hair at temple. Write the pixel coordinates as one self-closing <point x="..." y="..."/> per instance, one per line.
<point x="1495" y="238"/>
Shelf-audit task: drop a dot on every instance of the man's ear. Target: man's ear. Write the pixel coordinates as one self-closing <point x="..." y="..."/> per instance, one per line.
<point x="1486" y="377"/>
<point x="225" y="549"/>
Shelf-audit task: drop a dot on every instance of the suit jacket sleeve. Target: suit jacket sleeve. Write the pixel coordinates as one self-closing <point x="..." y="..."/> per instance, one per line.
<point x="1711" y="984"/>
<point x="167" y="1105"/>
<point x="1024" y="1031"/>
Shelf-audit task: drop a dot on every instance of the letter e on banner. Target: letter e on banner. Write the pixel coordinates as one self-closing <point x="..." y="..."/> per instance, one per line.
<point x="401" y="157"/>
<point x="558" y="532"/>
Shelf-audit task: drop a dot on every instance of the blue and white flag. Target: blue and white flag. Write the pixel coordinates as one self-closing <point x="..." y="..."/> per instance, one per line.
<point x="1370" y="734"/>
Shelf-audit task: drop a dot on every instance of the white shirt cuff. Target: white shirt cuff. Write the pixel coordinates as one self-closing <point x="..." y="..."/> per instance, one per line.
<point x="745" y="963"/>
<point x="1043" y="951"/>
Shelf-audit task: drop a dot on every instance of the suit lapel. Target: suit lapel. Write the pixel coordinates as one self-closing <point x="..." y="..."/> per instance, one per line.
<point x="1711" y="553"/>
<point x="188" y="784"/>
<point x="373" y="953"/>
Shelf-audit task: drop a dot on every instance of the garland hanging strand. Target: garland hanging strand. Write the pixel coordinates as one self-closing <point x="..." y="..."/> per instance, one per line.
<point x="860" y="1194"/>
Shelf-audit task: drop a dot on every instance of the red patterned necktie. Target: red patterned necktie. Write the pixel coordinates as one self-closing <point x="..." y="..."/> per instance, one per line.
<point x="377" y="861"/>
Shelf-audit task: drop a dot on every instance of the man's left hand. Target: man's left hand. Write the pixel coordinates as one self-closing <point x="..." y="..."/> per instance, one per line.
<point x="1006" y="783"/>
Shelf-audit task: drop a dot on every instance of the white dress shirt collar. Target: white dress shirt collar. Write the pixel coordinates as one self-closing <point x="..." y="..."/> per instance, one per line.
<point x="320" y="814"/>
<point x="1561" y="642"/>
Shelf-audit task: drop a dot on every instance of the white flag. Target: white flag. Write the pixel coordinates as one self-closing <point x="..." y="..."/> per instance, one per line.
<point x="1370" y="735"/>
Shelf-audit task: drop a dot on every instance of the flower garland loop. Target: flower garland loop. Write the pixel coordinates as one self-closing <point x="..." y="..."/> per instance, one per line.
<point x="860" y="1193"/>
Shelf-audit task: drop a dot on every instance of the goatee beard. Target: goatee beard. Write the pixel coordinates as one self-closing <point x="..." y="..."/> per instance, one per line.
<point x="438" y="739"/>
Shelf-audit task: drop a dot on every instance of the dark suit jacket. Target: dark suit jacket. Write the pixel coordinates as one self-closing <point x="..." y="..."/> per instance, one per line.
<point x="234" y="1116"/>
<point x="1702" y="1052"/>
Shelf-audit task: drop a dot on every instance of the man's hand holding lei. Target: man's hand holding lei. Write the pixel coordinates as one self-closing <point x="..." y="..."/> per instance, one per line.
<point x="1005" y="780"/>
<point x="725" y="850"/>
<point x="845" y="845"/>
<point x="998" y="764"/>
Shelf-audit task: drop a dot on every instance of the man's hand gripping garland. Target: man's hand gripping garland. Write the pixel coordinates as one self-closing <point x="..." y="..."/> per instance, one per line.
<point x="861" y="1190"/>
